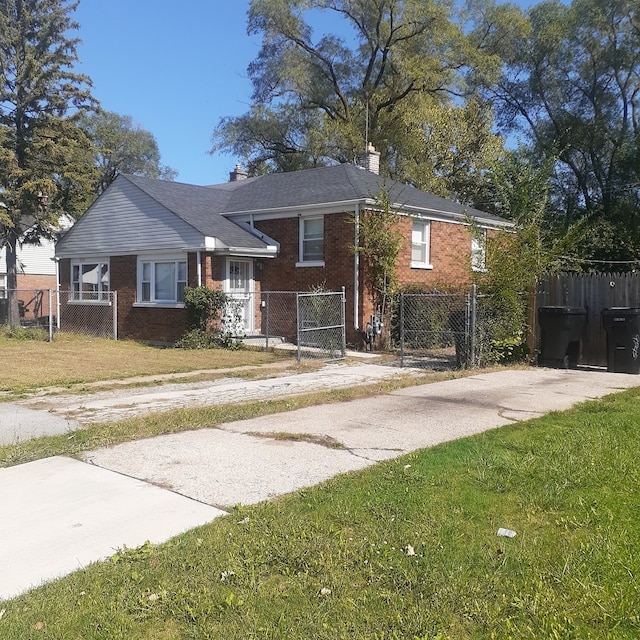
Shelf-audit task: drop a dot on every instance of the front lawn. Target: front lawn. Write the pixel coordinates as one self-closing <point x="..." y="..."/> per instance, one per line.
<point x="404" y="550"/>
<point x="72" y="359"/>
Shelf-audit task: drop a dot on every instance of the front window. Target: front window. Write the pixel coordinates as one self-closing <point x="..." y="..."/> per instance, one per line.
<point x="3" y="286"/>
<point x="312" y="240"/>
<point x="162" y="281"/>
<point x="90" y="281"/>
<point x="420" y="241"/>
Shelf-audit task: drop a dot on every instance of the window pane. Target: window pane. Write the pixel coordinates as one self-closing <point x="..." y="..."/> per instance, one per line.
<point x="420" y="242"/>
<point x="313" y="239"/>
<point x="478" y="253"/>
<point x="417" y="253"/>
<point x="165" y="284"/>
<point x="90" y="281"/>
<point x="182" y="271"/>
<point x="146" y="272"/>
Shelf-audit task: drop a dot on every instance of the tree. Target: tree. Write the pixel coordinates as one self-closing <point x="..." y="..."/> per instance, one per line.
<point x="122" y="146"/>
<point x="379" y="244"/>
<point x="571" y="82"/>
<point x="381" y="77"/>
<point x="39" y="94"/>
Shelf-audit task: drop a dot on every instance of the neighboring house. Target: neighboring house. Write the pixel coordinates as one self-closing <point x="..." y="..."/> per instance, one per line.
<point x="148" y="239"/>
<point x="36" y="273"/>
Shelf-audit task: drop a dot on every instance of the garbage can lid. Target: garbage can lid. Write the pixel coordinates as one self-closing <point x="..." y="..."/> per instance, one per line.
<point x="560" y="310"/>
<point x="621" y="311"/>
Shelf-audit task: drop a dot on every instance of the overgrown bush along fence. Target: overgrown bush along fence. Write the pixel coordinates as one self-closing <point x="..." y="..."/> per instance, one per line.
<point x="456" y="330"/>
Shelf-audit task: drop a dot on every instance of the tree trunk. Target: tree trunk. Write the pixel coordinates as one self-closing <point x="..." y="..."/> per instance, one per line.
<point x="12" y="293"/>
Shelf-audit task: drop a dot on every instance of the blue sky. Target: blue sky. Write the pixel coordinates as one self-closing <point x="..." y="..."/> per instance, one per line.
<point x="176" y="68"/>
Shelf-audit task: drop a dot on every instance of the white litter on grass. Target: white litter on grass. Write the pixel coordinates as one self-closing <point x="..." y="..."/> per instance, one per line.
<point x="507" y="533"/>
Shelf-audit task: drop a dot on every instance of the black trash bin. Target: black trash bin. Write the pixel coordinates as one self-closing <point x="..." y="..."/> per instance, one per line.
<point x="622" y="325"/>
<point x="562" y="329"/>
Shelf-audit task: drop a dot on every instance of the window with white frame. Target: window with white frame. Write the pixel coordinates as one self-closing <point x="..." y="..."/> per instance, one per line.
<point x="311" y="241"/>
<point x="479" y="250"/>
<point x="420" y="241"/>
<point x="3" y="285"/>
<point x="161" y="281"/>
<point x="90" y="281"/>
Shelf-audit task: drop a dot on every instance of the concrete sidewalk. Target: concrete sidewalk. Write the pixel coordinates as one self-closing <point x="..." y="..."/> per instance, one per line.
<point x="60" y="514"/>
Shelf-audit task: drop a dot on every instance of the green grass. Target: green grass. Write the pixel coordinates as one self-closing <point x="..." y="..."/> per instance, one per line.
<point x="73" y="359"/>
<point x="404" y="550"/>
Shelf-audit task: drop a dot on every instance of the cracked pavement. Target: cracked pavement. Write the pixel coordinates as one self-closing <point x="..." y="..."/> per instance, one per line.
<point x="253" y="460"/>
<point x="59" y="514"/>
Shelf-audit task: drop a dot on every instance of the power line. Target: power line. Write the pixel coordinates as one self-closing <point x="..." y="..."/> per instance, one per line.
<point x="637" y="261"/>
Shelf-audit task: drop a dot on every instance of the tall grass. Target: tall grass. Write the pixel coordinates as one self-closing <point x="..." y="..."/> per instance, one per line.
<point x="404" y="550"/>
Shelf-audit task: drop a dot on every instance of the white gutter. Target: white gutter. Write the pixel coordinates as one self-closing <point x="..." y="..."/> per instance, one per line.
<point x="356" y="270"/>
<point x="199" y="267"/>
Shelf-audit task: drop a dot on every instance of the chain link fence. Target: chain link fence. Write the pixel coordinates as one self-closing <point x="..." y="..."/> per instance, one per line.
<point x="447" y="331"/>
<point x="96" y="316"/>
<point x="321" y="325"/>
<point x="28" y="309"/>
<point x="433" y="330"/>
<point x="311" y="322"/>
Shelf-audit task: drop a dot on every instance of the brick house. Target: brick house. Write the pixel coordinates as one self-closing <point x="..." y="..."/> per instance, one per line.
<point x="147" y="239"/>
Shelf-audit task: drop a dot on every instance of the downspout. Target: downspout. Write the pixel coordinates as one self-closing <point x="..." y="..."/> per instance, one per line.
<point x="199" y="267"/>
<point x="356" y="270"/>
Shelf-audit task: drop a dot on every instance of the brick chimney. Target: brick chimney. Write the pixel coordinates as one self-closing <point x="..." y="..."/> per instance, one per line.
<point x="370" y="159"/>
<point x="238" y="174"/>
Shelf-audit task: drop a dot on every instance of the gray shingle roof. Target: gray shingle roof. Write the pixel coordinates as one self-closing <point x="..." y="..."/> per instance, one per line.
<point x="344" y="183"/>
<point x="200" y="207"/>
<point x="325" y="185"/>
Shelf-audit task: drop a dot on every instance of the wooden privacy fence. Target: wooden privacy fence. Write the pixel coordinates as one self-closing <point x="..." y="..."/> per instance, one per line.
<point x="594" y="292"/>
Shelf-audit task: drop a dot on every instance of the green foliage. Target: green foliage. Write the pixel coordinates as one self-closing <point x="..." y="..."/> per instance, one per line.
<point x="318" y="96"/>
<point x="42" y="156"/>
<point x="203" y="306"/>
<point x="122" y="147"/>
<point x="20" y="333"/>
<point x="379" y="244"/>
<point x="569" y="79"/>
<point x="212" y="320"/>
<point x="514" y="258"/>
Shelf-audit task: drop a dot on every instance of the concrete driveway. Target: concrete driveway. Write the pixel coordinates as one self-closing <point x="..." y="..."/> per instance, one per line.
<point x="153" y="489"/>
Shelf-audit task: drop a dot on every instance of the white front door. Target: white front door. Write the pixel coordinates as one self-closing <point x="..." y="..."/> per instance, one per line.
<point x="239" y="287"/>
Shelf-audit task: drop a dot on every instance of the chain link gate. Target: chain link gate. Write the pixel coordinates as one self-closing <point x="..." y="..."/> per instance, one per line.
<point x="321" y="325"/>
<point x="435" y="329"/>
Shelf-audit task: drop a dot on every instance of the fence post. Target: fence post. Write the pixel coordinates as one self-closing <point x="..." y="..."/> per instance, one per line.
<point x="472" y="328"/>
<point x="58" y="306"/>
<point x="115" y="315"/>
<point x="344" y="322"/>
<point x="402" y="329"/>
<point x="50" y="315"/>
<point x="298" y="326"/>
<point x="268" y="303"/>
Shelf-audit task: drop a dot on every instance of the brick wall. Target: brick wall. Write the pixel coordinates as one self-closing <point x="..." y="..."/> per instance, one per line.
<point x="450" y="257"/>
<point x="30" y="281"/>
<point x="162" y="325"/>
